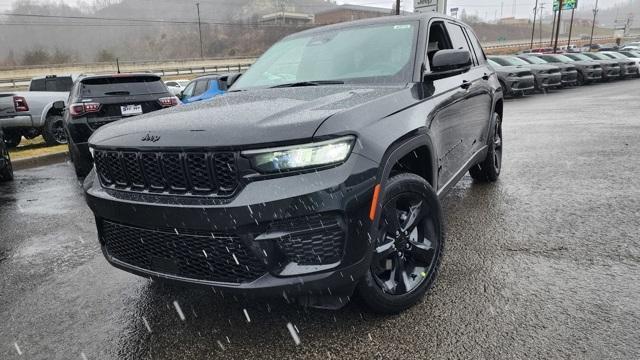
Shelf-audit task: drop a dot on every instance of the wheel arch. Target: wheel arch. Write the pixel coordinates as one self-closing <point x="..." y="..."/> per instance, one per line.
<point x="405" y="153"/>
<point x="46" y="112"/>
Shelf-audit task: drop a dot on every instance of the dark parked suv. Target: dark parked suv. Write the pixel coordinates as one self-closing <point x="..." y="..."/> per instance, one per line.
<point x="95" y="101"/>
<point x="319" y="173"/>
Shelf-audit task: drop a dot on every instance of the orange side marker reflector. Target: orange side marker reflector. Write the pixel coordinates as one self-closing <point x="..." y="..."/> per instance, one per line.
<point x="374" y="202"/>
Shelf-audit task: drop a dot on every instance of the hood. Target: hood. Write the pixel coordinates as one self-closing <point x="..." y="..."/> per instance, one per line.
<point x="540" y="67"/>
<point x="258" y="116"/>
<point x="505" y="70"/>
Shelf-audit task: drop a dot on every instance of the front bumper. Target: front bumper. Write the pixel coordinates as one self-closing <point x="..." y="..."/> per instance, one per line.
<point x="631" y="70"/>
<point x="593" y="74"/>
<point x="569" y="77"/>
<point x="524" y="83"/>
<point x="545" y="81"/>
<point x="264" y="241"/>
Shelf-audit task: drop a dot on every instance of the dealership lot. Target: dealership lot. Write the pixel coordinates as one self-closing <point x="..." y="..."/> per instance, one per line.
<point x="543" y="263"/>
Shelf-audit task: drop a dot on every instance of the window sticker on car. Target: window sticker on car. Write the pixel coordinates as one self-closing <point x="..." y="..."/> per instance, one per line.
<point x="399" y="27"/>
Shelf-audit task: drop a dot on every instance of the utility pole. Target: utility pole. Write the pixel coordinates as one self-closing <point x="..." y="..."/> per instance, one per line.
<point x="200" y="32"/>
<point x="553" y="25"/>
<point x="593" y="25"/>
<point x="533" y="29"/>
<point x="555" y="44"/>
<point x="573" y="11"/>
<point x="541" y="9"/>
<point x="397" y="7"/>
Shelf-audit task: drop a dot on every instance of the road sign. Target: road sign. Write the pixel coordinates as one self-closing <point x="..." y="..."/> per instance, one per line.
<point x="425" y="5"/>
<point x="566" y="4"/>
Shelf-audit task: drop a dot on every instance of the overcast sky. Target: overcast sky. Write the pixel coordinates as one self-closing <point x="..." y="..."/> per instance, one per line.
<point x="483" y="8"/>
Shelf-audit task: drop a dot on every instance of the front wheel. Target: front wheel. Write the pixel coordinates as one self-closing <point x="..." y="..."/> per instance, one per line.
<point x="409" y="244"/>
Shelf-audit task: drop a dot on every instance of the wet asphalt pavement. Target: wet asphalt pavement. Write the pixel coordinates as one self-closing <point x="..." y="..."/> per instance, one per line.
<point x="545" y="263"/>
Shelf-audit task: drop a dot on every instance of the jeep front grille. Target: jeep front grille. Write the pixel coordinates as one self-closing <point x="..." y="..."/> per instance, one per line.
<point x="182" y="173"/>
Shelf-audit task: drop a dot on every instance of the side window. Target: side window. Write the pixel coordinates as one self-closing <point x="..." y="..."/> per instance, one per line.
<point x="477" y="48"/>
<point x="188" y="92"/>
<point x="438" y="39"/>
<point x="37" y="85"/>
<point x="171" y="83"/>
<point x="201" y="87"/>
<point x="458" y="39"/>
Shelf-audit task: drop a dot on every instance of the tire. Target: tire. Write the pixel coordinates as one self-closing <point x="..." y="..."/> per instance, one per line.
<point x="418" y="251"/>
<point x="6" y="174"/>
<point x="581" y="81"/>
<point x="53" y="131"/>
<point x="489" y="169"/>
<point x="81" y="167"/>
<point x="12" y="140"/>
<point x="505" y="91"/>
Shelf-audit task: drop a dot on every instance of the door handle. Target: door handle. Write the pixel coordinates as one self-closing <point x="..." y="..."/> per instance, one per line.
<point x="485" y="77"/>
<point x="465" y="84"/>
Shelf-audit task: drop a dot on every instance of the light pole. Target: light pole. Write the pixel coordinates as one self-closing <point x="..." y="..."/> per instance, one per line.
<point x="541" y="9"/>
<point x="200" y="31"/>
<point x="573" y="11"/>
<point x="397" y="7"/>
<point x="555" y="44"/>
<point x="533" y="29"/>
<point x="593" y="25"/>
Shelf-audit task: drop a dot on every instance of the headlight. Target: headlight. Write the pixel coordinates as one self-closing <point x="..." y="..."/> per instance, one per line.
<point x="301" y="156"/>
<point x="512" y="75"/>
<point x="91" y="151"/>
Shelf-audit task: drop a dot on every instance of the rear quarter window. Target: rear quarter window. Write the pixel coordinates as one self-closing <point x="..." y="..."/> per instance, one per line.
<point x="121" y="86"/>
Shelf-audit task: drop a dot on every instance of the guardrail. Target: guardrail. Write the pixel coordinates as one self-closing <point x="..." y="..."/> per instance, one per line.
<point x="193" y="70"/>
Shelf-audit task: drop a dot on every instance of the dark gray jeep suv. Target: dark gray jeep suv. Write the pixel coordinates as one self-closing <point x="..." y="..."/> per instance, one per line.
<point x="319" y="174"/>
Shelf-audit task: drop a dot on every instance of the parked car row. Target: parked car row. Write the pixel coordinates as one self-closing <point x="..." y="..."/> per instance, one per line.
<point x="527" y="72"/>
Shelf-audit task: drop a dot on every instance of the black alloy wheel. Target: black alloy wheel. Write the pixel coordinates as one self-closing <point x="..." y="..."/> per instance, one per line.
<point x="406" y="246"/>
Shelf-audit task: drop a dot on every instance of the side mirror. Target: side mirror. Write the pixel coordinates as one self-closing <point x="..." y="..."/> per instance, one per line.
<point x="449" y="62"/>
<point x="180" y="95"/>
<point x="232" y="79"/>
<point x="59" y="105"/>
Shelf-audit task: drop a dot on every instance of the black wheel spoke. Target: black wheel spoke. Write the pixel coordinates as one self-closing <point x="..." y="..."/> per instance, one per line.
<point x="401" y="278"/>
<point x="416" y="214"/>
<point x="421" y="253"/>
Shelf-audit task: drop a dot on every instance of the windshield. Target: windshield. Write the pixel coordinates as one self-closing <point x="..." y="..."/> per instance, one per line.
<point x="493" y="63"/>
<point x="516" y="61"/>
<point x="631" y="54"/>
<point x="579" y="57"/>
<point x="596" y="56"/>
<point x="364" y="54"/>
<point x="500" y="61"/>
<point x="534" y="60"/>
<point x="616" y="55"/>
<point x="121" y="86"/>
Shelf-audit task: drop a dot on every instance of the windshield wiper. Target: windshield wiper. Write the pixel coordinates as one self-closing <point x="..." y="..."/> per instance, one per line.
<point x="309" y="83"/>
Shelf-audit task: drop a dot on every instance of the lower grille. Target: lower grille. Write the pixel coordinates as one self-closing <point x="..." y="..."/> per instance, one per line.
<point x="312" y="240"/>
<point x="194" y="255"/>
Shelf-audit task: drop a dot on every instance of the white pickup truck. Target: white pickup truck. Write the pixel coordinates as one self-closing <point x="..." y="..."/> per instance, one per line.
<point x="31" y="113"/>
